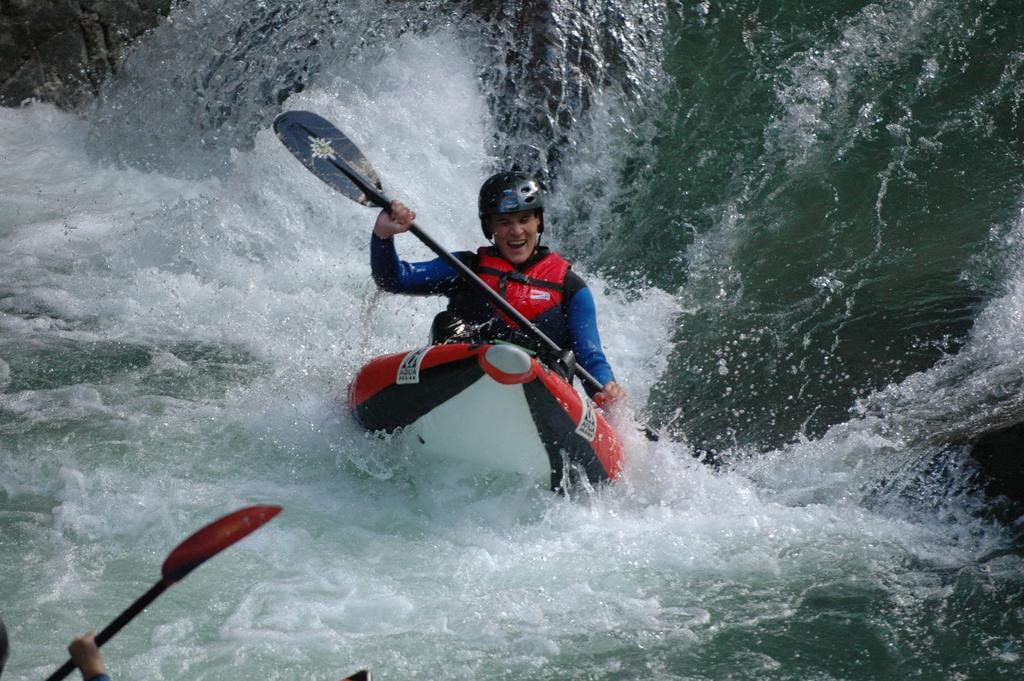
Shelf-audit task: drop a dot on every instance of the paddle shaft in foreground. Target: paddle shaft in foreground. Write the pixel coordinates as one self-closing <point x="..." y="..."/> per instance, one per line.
<point x="124" y="618"/>
<point x="186" y="557"/>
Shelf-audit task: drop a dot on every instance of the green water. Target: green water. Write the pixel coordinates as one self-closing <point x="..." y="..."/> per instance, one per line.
<point x="830" y="187"/>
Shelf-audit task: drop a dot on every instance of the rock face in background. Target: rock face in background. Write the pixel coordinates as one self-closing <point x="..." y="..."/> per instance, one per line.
<point x="542" y="61"/>
<point x="61" y="51"/>
<point x="1000" y="454"/>
<point x="553" y="58"/>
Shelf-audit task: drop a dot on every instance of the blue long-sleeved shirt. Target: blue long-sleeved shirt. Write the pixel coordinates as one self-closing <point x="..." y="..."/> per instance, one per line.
<point x="436" y="277"/>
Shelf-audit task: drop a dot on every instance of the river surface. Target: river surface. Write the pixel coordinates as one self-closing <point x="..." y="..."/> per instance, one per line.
<point x="803" y="224"/>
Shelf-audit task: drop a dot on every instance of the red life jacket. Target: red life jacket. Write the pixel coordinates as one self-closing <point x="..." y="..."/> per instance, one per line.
<point x="534" y="291"/>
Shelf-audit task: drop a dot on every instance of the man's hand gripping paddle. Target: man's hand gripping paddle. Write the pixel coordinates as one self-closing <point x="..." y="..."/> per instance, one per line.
<point x="190" y="554"/>
<point x="330" y="155"/>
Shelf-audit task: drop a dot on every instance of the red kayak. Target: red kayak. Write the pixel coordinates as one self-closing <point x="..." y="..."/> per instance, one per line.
<point x="493" y="405"/>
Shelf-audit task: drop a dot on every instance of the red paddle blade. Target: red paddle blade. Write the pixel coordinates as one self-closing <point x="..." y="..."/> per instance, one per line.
<point x="214" y="538"/>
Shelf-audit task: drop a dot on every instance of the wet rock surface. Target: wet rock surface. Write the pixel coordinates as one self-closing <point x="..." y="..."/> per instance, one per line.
<point x="62" y="51"/>
<point x="544" y="62"/>
<point x="1000" y="454"/>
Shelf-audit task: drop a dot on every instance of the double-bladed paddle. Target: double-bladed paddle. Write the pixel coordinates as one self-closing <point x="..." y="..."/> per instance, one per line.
<point x="330" y="155"/>
<point x="189" y="554"/>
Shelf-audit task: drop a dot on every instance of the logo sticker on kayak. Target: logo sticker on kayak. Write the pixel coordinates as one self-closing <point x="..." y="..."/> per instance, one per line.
<point x="409" y="369"/>
<point x="321" y="148"/>
<point x="587" y="427"/>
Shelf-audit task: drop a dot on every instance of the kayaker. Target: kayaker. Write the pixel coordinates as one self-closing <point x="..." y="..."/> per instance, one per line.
<point x="537" y="281"/>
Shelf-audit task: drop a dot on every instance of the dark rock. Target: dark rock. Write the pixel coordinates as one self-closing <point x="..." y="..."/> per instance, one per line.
<point x="1000" y="454"/>
<point x="541" y="63"/>
<point x="552" y="59"/>
<point x="61" y="51"/>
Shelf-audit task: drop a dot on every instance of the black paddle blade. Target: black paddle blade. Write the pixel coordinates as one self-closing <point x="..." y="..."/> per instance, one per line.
<point x="330" y="155"/>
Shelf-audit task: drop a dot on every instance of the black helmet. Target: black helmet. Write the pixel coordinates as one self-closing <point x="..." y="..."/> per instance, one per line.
<point x="509" y="193"/>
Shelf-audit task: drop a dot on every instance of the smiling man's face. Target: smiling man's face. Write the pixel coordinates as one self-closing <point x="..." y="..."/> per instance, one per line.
<point x="515" y="234"/>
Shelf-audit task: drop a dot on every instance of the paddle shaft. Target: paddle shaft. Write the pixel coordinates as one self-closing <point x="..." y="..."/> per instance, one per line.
<point x="199" y="547"/>
<point x="506" y="307"/>
<point x="469" y="275"/>
<point x="124" y="618"/>
<point x="313" y="147"/>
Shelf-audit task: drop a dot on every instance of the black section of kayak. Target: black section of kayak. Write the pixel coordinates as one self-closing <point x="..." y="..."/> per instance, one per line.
<point x="563" y="444"/>
<point x="396" y="406"/>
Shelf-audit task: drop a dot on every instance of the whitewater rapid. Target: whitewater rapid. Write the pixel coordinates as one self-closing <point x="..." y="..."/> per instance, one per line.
<point x="173" y="347"/>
